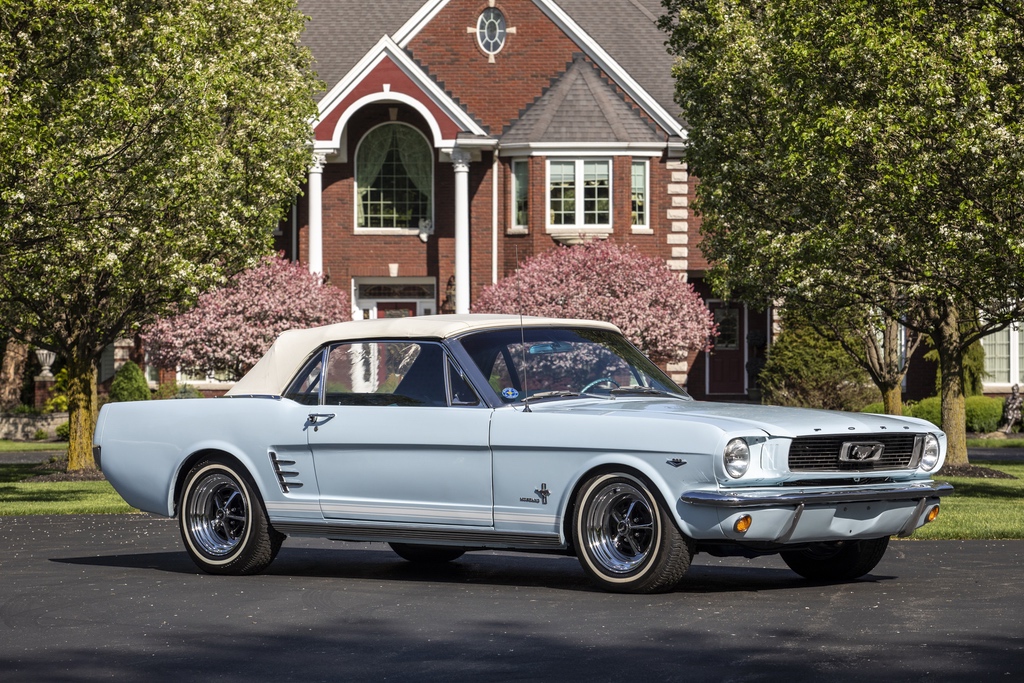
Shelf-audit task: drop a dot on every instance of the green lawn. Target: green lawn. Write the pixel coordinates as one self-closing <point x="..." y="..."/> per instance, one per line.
<point x="16" y="446"/>
<point x="19" y="497"/>
<point x="981" y="508"/>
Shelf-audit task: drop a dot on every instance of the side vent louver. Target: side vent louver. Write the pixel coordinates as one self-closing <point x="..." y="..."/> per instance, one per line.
<point x="285" y="477"/>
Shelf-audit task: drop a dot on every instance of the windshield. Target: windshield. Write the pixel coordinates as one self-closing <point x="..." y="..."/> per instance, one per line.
<point x="538" y="362"/>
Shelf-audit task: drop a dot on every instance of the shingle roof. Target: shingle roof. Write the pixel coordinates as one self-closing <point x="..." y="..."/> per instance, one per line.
<point x="341" y="32"/>
<point x="627" y="30"/>
<point x="580" y="107"/>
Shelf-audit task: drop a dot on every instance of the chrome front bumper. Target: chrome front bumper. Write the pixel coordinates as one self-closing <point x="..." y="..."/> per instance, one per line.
<point x="792" y="496"/>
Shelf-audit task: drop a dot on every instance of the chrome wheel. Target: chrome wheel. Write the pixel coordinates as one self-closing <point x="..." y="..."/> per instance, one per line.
<point x="624" y="539"/>
<point x="620" y="528"/>
<point x="223" y="521"/>
<point x="218" y="516"/>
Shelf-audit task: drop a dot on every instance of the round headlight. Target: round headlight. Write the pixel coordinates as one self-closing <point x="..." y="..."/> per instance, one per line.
<point x="930" y="453"/>
<point x="736" y="458"/>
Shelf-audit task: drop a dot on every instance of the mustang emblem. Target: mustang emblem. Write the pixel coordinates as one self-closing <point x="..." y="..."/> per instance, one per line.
<point x="543" y="493"/>
<point x="861" y="451"/>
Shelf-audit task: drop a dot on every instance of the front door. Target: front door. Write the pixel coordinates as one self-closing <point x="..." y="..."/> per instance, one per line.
<point x="726" y="362"/>
<point x="396" y="309"/>
<point x="388" y="446"/>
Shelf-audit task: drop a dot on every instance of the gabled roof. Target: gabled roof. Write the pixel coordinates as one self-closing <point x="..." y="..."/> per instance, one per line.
<point x="641" y="50"/>
<point x="620" y="36"/>
<point x="340" y="32"/>
<point x="399" y="79"/>
<point x="581" y="107"/>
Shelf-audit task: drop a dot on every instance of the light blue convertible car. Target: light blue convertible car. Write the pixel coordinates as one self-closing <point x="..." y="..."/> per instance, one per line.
<point x="446" y="434"/>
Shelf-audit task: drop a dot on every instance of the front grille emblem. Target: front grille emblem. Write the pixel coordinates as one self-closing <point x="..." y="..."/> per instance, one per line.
<point x="861" y="451"/>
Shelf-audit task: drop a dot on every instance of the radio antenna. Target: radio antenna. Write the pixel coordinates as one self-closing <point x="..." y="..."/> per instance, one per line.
<point x="522" y="334"/>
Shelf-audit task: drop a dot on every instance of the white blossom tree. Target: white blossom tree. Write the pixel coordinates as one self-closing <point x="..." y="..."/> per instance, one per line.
<point x="862" y="156"/>
<point x="149" y="148"/>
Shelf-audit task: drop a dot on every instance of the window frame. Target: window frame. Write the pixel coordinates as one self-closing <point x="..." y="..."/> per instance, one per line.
<point x="644" y="224"/>
<point x="580" y="226"/>
<point x="357" y="199"/>
<point x="517" y="226"/>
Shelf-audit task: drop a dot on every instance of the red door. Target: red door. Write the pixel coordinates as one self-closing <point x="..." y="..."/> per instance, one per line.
<point x="395" y="309"/>
<point x="727" y="360"/>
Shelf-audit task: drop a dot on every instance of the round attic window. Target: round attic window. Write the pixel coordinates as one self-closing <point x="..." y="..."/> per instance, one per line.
<point x="490" y="30"/>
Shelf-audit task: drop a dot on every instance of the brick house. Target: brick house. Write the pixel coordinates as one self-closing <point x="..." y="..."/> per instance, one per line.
<point x="456" y="136"/>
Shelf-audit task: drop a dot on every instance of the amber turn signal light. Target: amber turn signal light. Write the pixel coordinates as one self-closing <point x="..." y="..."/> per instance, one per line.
<point x="742" y="524"/>
<point x="932" y="514"/>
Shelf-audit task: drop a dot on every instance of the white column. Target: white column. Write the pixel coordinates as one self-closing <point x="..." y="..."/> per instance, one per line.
<point x="316" y="224"/>
<point x="460" y="162"/>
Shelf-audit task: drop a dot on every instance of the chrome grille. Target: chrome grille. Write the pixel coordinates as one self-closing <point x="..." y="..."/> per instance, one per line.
<point x="822" y="453"/>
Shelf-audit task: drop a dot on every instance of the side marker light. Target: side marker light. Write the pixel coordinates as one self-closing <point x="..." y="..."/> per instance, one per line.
<point x="932" y="514"/>
<point x="742" y="524"/>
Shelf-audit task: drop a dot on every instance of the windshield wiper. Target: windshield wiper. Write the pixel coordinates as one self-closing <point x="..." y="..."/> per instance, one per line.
<point x="648" y="391"/>
<point x="562" y="393"/>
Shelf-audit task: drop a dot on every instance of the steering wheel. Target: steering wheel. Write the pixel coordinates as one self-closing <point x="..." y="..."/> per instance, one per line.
<point x="599" y="380"/>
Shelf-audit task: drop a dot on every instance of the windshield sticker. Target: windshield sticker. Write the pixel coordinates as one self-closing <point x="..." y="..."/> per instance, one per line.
<point x="509" y="393"/>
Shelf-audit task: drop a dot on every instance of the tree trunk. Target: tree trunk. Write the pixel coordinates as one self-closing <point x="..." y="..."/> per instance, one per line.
<point x="951" y="367"/>
<point x="15" y="359"/>
<point x="892" y="399"/>
<point x="81" y="412"/>
<point x="892" y="394"/>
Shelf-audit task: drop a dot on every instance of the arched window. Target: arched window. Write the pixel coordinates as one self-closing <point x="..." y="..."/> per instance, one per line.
<point x="394" y="178"/>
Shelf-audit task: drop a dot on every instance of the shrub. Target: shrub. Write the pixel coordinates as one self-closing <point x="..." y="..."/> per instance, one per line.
<point x="129" y="384"/>
<point x="654" y="307"/>
<point x="876" y="407"/>
<point x="230" y="328"/>
<point x="41" y="435"/>
<point x="928" y="409"/>
<point x="983" y="414"/>
<point x="804" y="369"/>
<point x="175" y="390"/>
<point x="63" y="431"/>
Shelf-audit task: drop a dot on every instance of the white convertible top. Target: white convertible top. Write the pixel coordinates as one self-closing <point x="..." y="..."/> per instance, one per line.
<point x="280" y="363"/>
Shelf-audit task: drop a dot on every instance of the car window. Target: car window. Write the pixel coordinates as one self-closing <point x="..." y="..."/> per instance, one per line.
<point x="461" y="393"/>
<point x="547" y="361"/>
<point x="305" y="388"/>
<point x="385" y="373"/>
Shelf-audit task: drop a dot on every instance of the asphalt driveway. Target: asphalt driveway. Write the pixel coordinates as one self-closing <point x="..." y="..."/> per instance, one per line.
<point x="87" y="598"/>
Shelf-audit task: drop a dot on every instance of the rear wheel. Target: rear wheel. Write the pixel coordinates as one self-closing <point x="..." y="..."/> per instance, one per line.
<point x="838" y="560"/>
<point x="223" y="522"/>
<point x="624" y="539"/>
<point x="427" y="554"/>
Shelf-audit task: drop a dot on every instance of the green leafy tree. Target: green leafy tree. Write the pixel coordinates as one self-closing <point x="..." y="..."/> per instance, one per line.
<point x="149" y="147"/>
<point x="862" y="155"/>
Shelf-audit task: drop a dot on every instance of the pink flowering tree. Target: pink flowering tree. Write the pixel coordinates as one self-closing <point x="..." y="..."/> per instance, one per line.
<point x="601" y="280"/>
<point x="230" y="328"/>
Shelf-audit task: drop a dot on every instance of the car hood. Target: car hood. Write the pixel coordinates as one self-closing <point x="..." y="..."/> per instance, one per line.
<point x="773" y="420"/>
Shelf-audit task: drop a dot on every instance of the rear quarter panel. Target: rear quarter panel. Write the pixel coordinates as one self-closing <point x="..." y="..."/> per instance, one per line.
<point x="145" y="445"/>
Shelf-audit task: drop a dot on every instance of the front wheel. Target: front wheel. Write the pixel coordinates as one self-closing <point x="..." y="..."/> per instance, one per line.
<point x="624" y="539"/>
<point x="837" y="560"/>
<point x="223" y="522"/>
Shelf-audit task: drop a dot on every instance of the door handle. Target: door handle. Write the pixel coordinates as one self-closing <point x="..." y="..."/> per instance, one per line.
<point x="317" y="419"/>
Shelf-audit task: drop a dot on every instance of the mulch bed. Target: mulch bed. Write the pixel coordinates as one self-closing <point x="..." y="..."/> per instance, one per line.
<point x="57" y="470"/>
<point x="972" y="471"/>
